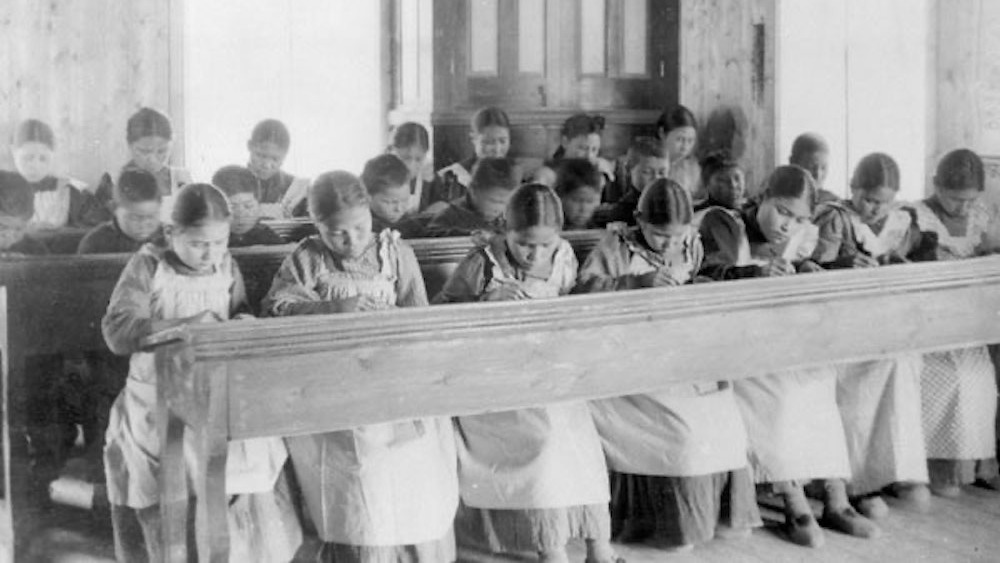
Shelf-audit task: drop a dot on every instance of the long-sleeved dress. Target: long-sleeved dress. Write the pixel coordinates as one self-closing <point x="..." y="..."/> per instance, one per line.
<point x="155" y="285"/>
<point x="677" y="456"/>
<point x="531" y="478"/>
<point x="382" y="492"/>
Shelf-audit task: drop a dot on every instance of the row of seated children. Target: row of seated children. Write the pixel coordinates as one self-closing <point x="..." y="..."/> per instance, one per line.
<point x="683" y="461"/>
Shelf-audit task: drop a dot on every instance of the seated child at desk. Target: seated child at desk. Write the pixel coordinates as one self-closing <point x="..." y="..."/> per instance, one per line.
<point x="482" y="208"/>
<point x="136" y="219"/>
<point x="581" y="138"/>
<point x="811" y="151"/>
<point x="386" y="177"/>
<point x="239" y="185"/>
<point x="411" y="143"/>
<point x="578" y="185"/>
<point x="277" y="191"/>
<point x="647" y="161"/>
<point x="490" y="138"/>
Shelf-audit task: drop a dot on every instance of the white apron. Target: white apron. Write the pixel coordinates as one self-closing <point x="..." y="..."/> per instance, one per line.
<point x="52" y="207"/>
<point x="382" y="484"/>
<point x="543" y="457"/>
<point x="132" y="449"/>
<point x="959" y="388"/>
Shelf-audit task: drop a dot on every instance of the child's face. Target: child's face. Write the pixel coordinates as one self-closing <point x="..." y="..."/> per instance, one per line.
<point x="727" y="187"/>
<point x="391" y="204"/>
<point x="582" y="146"/>
<point x="647" y="170"/>
<point x="33" y="161"/>
<point x="534" y="246"/>
<point x="138" y="220"/>
<point x="413" y="156"/>
<point x="957" y="202"/>
<point x="490" y="203"/>
<point x="872" y="204"/>
<point x="680" y="142"/>
<point x="491" y="142"/>
<point x="245" y="210"/>
<point x="11" y="231"/>
<point x="347" y="233"/>
<point x="201" y="247"/>
<point x="817" y="163"/>
<point x="265" y="159"/>
<point x="150" y="153"/>
<point x="780" y="217"/>
<point x="579" y="206"/>
<point x="664" y="239"/>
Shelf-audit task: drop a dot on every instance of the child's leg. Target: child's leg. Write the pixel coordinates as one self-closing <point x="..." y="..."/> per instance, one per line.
<point x="840" y="515"/>
<point x="948" y="475"/>
<point x="800" y="524"/>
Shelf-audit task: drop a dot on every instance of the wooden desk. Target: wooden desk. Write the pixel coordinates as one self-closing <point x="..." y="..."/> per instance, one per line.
<point x="233" y="380"/>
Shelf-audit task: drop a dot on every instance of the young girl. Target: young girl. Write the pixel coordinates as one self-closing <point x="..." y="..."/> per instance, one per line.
<point x="646" y="162"/>
<point x="55" y="201"/>
<point x="278" y="192"/>
<point x="556" y="485"/>
<point x="958" y="386"/>
<point x="382" y="492"/>
<point x="136" y="218"/>
<point x="580" y="138"/>
<point x="677" y="129"/>
<point x="811" y="151"/>
<point x="193" y="279"/>
<point x="679" y="456"/>
<point x="879" y="400"/>
<point x="411" y="143"/>
<point x="482" y="209"/>
<point x="490" y="138"/>
<point x="245" y="226"/>
<point x="578" y="185"/>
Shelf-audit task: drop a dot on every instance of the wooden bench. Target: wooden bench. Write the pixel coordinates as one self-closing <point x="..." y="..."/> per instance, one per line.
<point x="233" y="381"/>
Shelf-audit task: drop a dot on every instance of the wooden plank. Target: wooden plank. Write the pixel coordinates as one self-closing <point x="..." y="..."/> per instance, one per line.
<point x="6" y="504"/>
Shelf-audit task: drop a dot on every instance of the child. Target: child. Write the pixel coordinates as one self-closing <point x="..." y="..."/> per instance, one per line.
<point x="810" y="151"/>
<point x="556" y="486"/>
<point x="677" y="129"/>
<point x="795" y="429"/>
<point x="958" y="386"/>
<point x="411" y="143"/>
<point x="136" y="219"/>
<point x="277" y="191"/>
<point x="678" y="457"/>
<point x="383" y="492"/>
<point x="490" y="138"/>
<point x="482" y="208"/>
<point x="245" y="229"/>
<point x="387" y="180"/>
<point x="55" y="201"/>
<point x="580" y="138"/>
<point x="879" y="400"/>
<point x="193" y="279"/>
<point x="647" y="161"/>
<point x="14" y="242"/>
<point x="720" y="222"/>
<point x="578" y="185"/>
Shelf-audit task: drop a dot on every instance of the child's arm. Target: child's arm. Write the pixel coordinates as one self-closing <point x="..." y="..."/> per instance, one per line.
<point x="603" y="270"/>
<point x="721" y="238"/>
<point x="833" y="249"/>
<point x="410" y="290"/>
<point x="292" y="291"/>
<point x="466" y="283"/>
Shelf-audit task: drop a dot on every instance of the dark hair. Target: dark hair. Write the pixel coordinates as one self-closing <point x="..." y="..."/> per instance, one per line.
<point x="675" y="118"/>
<point x="147" y="122"/>
<point x="384" y="172"/>
<point x="805" y="145"/>
<point x="34" y="131"/>
<point x="534" y="205"/>
<point x="645" y="147"/>
<point x="960" y="169"/>
<point x="665" y="202"/>
<point x="409" y="134"/>
<point x="792" y="182"/>
<point x="235" y="180"/>
<point x="579" y="125"/>
<point x="876" y="170"/>
<point x="333" y="192"/>
<point x="197" y="204"/>
<point x="495" y="173"/>
<point x="136" y="185"/>
<point x="489" y="117"/>
<point x="715" y="163"/>
<point x="575" y="173"/>
<point x="271" y="131"/>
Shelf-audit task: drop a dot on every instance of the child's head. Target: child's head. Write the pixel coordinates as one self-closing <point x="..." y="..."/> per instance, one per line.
<point x="490" y="133"/>
<point x="578" y="185"/>
<point x="386" y="178"/>
<point x="723" y="180"/>
<point x="268" y="146"/>
<point x="677" y="129"/>
<point x="810" y="151"/>
<point x="240" y="186"/>
<point x="149" y="137"/>
<point x="959" y="181"/>
<point x="664" y="215"/>
<point x="787" y="204"/>
<point x="137" y="204"/>
<point x="874" y="186"/>
<point x="581" y="137"/>
<point x="534" y="220"/>
<point x="493" y="180"/>
<point x="32" y="148"/>
<point x="411" y="142"/>
<point x="340" y="208"/>
<point x="198" y="232"/>
<point x="647" y="162"/>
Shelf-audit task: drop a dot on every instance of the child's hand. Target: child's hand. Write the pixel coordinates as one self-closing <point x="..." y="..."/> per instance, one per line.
<point x="369" y="303"/>
<point x="658" y="278"/>
<point x="863" y="261"/>
<point x="204" y="317"/>
<point x="776" y="268"/>
<point x="506" y="291"/>
<point x="809" y="267"/>
<point x="244" y="317"/>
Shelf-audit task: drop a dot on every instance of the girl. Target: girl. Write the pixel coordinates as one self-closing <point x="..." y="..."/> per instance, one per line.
<point x="55" y="202"/>
<point x="481" y="211"/>
<point x="958" y="386"/>
<point x="193" y="279"/>
<point x="578" y="185"/>
<point x="278" y="192"/>
<point x="136" y="218"/>
<point x="679" y="456"/>
<point x="411" y="143"/>
<point x="490" y="138"/>
<point x="580" y="138"/>
<point x="556" y="486"/>
<point x="720" y="222"/>
<point x="646" y="161"/>
<point x="879" y="400"/>
<point x="811" y="151"/>
<point x="383" y="492"/>
<point x="677" y="129"/>
<point x="795" y="430"/>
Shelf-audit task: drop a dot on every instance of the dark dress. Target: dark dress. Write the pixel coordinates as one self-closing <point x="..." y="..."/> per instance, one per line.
<point x="460" y="218"/>
<point x="108" y="238"/>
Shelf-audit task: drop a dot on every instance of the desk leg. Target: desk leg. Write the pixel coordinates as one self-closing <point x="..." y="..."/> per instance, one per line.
<point x="173" y="488"/>
<point x="211" y="446"/>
